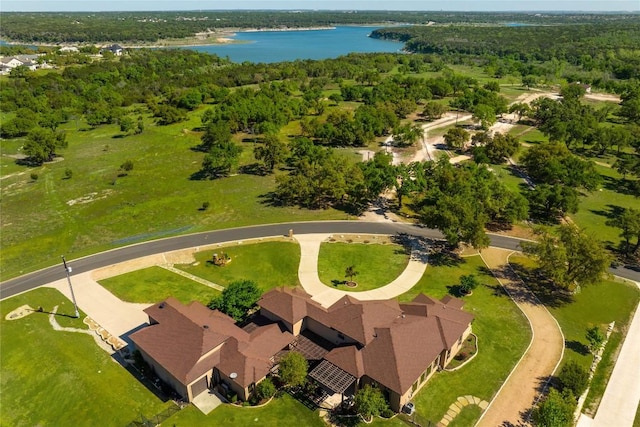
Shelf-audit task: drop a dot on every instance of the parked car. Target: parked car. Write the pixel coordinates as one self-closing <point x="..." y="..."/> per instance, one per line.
<point x="409" y="408"/>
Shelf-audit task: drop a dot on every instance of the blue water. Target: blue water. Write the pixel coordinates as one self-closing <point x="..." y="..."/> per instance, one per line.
<point x="277" y="46"/>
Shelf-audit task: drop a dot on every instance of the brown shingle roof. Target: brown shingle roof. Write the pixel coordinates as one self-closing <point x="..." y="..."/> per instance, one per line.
<point x="397" y="341"/>
<point x="290" y="304"/>
<point x="184" y="336"/>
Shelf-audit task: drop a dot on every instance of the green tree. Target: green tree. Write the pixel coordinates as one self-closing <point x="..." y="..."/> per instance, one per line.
<point x="350" y="272"/>
<point x="485" y="114"/>
<point x="272" y="153"/>
<point x="222" y="158"/>
<point x="42" y="143"/>
<point x="550" y="202"/>
<point x="629" y="222"/>
<point x="468" y="283"/>
<point x="571" y="259"/>
<point x="369" y="402"/>
<point x="556" y="410"/>
<point x="126" y="124"/>
<point x="434" y="110"/>
<point x="455" y="138"/>
<point x="596" y="338"/>
<point x="237" y="299"/>
<point x="293" y="369"/>
<point x="574" y="377"/>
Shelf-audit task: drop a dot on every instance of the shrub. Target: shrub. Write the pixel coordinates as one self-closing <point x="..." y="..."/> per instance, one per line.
<point x="68" y="173"/>
<point x="34" y="176"/>
<point x="265" y="389"/>
<point x="205" y="205"/>
<point x="556" y="410"/>
<point x="574" y="378"/>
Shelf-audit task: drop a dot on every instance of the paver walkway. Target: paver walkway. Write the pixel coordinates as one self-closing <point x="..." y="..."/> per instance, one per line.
<point x="519" y="392"/>
<point x="326" y="296"/>
<point x="457" y="406"/>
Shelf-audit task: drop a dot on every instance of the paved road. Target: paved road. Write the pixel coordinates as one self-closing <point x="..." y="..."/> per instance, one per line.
<point x="103" y="259"/>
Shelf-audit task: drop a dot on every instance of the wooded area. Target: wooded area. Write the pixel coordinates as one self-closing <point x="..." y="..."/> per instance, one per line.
<point x="293" y="120"/>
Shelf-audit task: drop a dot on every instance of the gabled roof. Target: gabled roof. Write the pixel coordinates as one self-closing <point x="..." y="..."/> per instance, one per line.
<point x="290" y="304"/>
<point x="185" y="336"/>
<point x="396" y="342"/>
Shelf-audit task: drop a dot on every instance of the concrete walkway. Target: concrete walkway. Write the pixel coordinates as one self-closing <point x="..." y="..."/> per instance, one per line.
<point x="326" y="296"/>
<point x="525" y="382"/>
<point x="116" y="316"/>
<point x="622" y="395"/>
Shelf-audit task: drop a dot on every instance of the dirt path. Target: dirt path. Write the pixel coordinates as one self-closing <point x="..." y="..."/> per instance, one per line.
<point x="523" y="386"/>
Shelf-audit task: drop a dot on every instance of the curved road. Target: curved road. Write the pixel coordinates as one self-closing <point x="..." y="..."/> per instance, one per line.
<point x="103" y="259"/>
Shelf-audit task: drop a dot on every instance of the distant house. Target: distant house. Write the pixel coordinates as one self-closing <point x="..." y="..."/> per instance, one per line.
<point x="10" y="62"/>
<point x="116" y="49"/>
<point x="68" y="49"/>
<point x="396" y="346"/>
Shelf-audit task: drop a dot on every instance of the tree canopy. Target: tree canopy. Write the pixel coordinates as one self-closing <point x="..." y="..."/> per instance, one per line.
<point x="572" y="258"/>
<point x="237" y="299"/>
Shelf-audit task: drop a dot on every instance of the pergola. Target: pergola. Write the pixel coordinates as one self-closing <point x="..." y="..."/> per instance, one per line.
<point x="331" y="376"/>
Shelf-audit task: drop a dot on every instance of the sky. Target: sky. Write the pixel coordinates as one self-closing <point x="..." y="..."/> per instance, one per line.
<point x="427" y="5"/>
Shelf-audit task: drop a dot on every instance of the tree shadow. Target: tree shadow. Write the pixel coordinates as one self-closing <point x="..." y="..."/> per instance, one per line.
<point x="254" y="169"/>
<point x="498" y="290"/>
<point x="442" y="257"/>
<point x="270" y="199"/>
<point x="456" y="291"/>
<point x="622" y="186"/>
<point x="336" y="282"/>
<point x="545" y="289"/>
<point x="613" y="211"/>
<point x="577" y="346"/>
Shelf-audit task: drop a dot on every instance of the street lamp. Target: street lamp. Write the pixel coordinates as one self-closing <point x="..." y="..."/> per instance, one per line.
<point x="73" y="296"/>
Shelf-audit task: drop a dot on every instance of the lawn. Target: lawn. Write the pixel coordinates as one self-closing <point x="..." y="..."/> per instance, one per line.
<point x="268" y="264"/>
<point x="154" y="284"/>
<point x="377" y="265"/>
<point x="281" y="412"/>
<point x="502" y="330"/>
<point x="97" y="210"/>
<point x="595" y="305"/>
<point x="599" y="206"/>
<point x="53" y="378"/>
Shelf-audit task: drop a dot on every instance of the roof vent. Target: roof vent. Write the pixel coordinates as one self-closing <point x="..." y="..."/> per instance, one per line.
<point x="161" y="305"/>
<point x="233" y="375"/>
<point x="205" y="326"/>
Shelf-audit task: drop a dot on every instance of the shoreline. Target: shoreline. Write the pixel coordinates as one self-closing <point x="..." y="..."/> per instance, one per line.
<point x="222" y="36"/>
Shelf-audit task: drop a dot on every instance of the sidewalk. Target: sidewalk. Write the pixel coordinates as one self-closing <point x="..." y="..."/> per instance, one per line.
<point x="326" y="296"/>
<point x="622" y="395"/>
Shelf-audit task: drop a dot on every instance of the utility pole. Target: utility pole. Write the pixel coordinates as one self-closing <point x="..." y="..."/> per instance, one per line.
<point x="73" y="296"/>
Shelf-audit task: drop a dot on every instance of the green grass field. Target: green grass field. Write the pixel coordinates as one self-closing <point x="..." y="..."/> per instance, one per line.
<point x="97" y="210"/>
<point x="377" y="265"/>
<point x="502" y="330"/>
<point x="154" y="284"/>
<point x="268" y="264"/>
<point x="595" y="305"/>
<point x="54" y="378"/>
<point x="284" y="411"/>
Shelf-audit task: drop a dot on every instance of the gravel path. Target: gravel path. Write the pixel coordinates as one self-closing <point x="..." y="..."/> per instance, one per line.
<point x="525" y="383"/>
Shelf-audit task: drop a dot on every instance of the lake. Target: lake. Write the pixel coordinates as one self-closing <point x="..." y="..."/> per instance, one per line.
<point x="277" y="46"/>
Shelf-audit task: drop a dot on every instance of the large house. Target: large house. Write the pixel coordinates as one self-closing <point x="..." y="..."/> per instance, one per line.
<point x="395" y="346"/>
